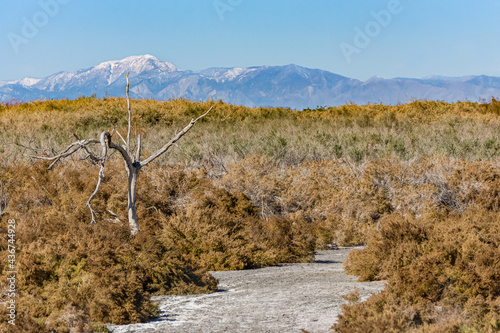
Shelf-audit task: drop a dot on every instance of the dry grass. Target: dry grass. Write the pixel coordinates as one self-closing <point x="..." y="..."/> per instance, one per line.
<point x="419" y="183"/>
<point x="468" y="131"/>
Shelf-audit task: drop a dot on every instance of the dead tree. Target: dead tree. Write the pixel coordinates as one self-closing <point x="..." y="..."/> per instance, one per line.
<point x="133" y="163"/>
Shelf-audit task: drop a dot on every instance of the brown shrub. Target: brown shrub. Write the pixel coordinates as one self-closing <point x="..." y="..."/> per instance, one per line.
<point x="71" y="272"/>
<point x="222" y="231"/>
<point x="74" y="275"/>
<point x="445" y="267"/>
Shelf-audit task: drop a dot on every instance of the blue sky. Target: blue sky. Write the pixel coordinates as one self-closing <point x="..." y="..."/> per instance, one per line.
<point x="409" y="39"/>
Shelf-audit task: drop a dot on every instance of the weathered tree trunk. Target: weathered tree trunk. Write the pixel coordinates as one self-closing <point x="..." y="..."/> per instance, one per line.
<point x="132" y="213"/>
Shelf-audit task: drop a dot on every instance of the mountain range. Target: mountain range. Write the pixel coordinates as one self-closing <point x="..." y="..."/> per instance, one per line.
<point x="287" y="86"/>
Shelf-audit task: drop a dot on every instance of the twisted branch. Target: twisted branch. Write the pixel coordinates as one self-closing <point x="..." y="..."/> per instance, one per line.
<point x="70" y="150"/>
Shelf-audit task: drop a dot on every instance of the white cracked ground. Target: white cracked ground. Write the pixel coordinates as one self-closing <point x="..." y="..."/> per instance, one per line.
<point x="284" y="298"/>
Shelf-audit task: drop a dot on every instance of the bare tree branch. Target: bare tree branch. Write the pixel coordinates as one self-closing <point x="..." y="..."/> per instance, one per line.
<point x="90" y="155"/>
<point x="129" y="116"/>
<point x="70" y="150"/>
<point x="89" y="204"/>
<point x="121" y="137"/>
<point x="115" y="218"/>
<point x="57" y="158"/>
<point x="174" y="140"/>
<point x="35" y="150"/>
<point x="128" y="161"/>
<point x="105" y="139"/>
<point x="138" y="151"/>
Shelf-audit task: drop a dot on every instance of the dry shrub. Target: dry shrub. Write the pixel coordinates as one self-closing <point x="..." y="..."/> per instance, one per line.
<point x="74" y="275"/>
<point x="477" y="183"/>
<point x="324" y="194"/>
<point x="443" y="268"/>
<point x="431" y="225"/>
<point x="374" y="315"/>
<point x="347" y="201"/>
<point x="71" y="273"/>
<point x="222" y="231"/>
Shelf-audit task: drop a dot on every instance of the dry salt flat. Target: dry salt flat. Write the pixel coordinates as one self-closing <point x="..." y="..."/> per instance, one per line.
<point x="284" y="298"/>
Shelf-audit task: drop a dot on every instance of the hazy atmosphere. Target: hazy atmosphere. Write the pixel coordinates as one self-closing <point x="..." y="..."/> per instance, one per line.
<point x="416" y="39"/>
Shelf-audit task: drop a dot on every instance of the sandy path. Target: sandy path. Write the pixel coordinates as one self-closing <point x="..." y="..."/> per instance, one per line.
<point x="285" y="298"/>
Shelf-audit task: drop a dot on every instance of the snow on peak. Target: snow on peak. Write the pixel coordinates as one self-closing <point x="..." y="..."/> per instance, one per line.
<point x="133" y="65"/>
<point x="26" y="82"/>
<point x="29" y="81"/>
<point x="138" y="64"/>
<point x="144" y="57"/>
<point x="226" y="74"/>
<point x="146" y="62"/>
<point x="232" y="73"/>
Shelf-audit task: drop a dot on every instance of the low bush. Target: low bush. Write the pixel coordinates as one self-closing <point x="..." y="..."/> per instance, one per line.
<point x="442" y="271"/>
<point x="76" y="276"/>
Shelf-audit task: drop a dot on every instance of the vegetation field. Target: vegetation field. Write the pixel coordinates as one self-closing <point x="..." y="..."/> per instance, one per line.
<point x="418" y="183"/>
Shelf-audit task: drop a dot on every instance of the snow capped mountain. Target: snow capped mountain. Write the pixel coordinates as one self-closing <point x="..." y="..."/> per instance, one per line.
<point x="114" y="70"/>
<point x="291" y="85"/>
<point x="29" y="81"/>
<point x="225" y="74"/>
<point x="105" y="74"/>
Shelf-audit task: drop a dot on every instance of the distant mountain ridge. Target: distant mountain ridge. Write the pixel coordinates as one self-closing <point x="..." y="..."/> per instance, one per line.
<point x="289" y="86"/>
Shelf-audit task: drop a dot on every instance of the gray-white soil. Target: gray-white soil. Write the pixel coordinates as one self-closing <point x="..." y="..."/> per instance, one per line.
<point x="284" y="298"/>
